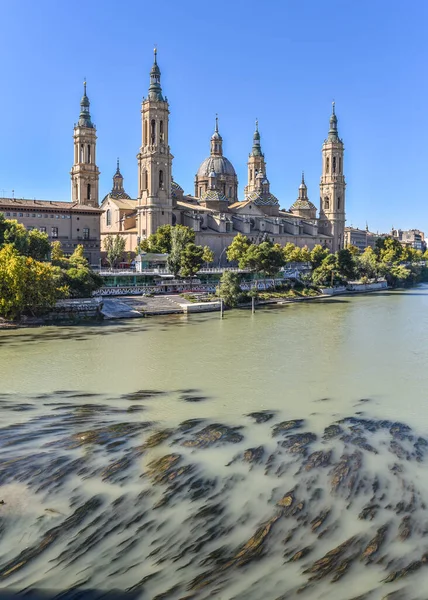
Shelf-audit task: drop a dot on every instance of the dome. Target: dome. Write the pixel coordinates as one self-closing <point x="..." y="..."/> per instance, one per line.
<point x="220" y="164"/>
<point x="213" y="196"/>
<point x="261" y="199"/>
<point x="176" y="190"/>
<point x="303" y="204"/>
<point x="117" y="195"/>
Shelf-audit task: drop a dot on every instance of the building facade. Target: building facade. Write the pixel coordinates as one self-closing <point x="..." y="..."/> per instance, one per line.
<point x="360" y="238"/>
<point x="214" y="210"/>
<point x="412" y="237"/>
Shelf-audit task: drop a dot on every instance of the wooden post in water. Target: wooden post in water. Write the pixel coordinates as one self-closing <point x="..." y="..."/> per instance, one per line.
<point x="221" y="308"/>
<point x="253" y="305"/>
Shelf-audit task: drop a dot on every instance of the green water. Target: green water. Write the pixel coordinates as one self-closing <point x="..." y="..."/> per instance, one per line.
<point x="345" y="349"/>
<point x="79" y="407"/>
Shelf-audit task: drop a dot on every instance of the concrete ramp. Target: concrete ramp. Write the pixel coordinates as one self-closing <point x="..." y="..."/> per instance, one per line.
<point x="113" y="308"/>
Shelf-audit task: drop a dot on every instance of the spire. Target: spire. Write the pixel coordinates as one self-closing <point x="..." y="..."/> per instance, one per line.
<point x="303" y="190"/>
<point x="257" y="149"/>
<point x="85" y="117"/>
<point x="216" y="141"/>
<point x="155" y="90"/>
<point x="332" y="134"/>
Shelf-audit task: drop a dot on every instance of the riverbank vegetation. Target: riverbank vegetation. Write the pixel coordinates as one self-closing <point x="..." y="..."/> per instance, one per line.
<point x="34" y="274"/>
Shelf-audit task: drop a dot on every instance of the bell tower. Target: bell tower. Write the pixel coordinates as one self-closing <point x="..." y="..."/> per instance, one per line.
<point x="256" y="163"/>
<point x="84" y="172"/>
<point x="332" y="187"/>
<point x="154" y="160"/>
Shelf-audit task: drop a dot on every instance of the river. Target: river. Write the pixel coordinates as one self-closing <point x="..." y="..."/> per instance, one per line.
<point x="258" y="456"/>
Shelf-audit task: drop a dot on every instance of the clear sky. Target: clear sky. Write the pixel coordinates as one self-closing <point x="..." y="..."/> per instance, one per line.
<point x="281" y="61"/>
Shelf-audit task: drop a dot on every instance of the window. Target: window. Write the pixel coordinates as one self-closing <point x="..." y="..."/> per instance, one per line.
<point x="81" y="153"/>
<point x="161" y="179"/>
<point x="39" y="216"/>
<point x="146" y="180"/>
<point x="86" y="233"/>
<point x="230" y="192"/>
<point x="13" y="214"/>
<point x="251" y="174"/>
<point x="89" y="153"/>
<point x="33" y="214"/>
<point x="200" y="191"/>
<point x="42" y="229"/>
<point x="327" y="165"/>
<point x="340" y="165"/>
<point x="54" y="232"/>
<point x="51" y="216"/>
<point x="88" y="191"/>
<point x="30" y="228"/>
<point x="161" y="136"/>
<point x="334" y="164"/>
<point x="153" y="132"/>
<point x="145" y="132"/>
<point x="8" y="214"/>
<point x="108" y="217"/>
<point x="63" y="217"/>
<point x="20" y="214"/>
<point x="338" y="203"/>
<point x="326" y="203"/>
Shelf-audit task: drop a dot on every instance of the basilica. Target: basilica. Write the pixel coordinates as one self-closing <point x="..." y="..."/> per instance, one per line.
<point x="214" y="210"/>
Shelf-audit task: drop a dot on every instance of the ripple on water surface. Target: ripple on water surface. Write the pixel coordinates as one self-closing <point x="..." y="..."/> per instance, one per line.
<point x="98" y="493"/>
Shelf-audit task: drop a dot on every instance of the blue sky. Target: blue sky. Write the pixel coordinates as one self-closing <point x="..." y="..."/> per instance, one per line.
<point x="277" y="60"/>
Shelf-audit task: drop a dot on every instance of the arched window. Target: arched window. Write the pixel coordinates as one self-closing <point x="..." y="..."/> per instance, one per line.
<point x="200" y="191"/>
<point x="327" y="165"/>
<point x="108" y="218"/>
<point x="145" y="132"/>
<point x="153" y="132"/>
<point x="251" y="174"/>
<point x="161" y="131"/>
<point x="340" y="165"/>
<point x="338" y="203"/>
<point x="161" y="179"/>
<point x="326" y="203"/>
<point x="230" y="192"/>
<point x="224" y="189"/>
<point x="334" y="164"/>
<point x="89" y="153"/>
<point x="146" y="180"/>
<point x="89" y="191"/>
<point x="82" y="151"/>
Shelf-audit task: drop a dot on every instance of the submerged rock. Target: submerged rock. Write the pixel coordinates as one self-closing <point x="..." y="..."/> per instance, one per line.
<point x="214" y="434"/>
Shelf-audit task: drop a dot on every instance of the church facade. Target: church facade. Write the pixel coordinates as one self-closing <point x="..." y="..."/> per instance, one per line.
<point x="214" y="210"/>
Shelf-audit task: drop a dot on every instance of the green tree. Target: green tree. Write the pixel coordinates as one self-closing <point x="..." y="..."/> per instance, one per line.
<point x="160" y="242"/>
<point x="318" y="254"/>
<point x="346" y="264"/>
<point x="327" y="273"/>
<point x="27" y="286"/>
<point x="238" y="249"/>
<point x="192" y="258"/>
<point x="38" y="245"/>
<point x="229" y="288"/>
<point x="114" y="245"/>
<point x="180" y="238"/>
<point x="354" y="250"/>
<point x="265" y="258"/>
<point x="208" y="255"/>
<point x="389" y="249"/>
<point x="368" y="265"/>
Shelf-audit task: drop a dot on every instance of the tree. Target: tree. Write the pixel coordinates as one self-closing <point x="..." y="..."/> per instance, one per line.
<point x="389" y="249"/>
<point x="114" y="245"/>
<point x="354" y="250"/>
<point x="27" y="285"/>
<point x="32" y="243"/>
<point x="160" y="242"/>
<point x="265" y="258"/>
<point x="57" y="253"/>
<point x="192" y="258"/>
<point x="327" y="273"/>
<point x="346" y="263"/>
<point x="179" y="240"/>
<point x="208" y="255"/>
<point x="38" y="245"/>
<point x="367" y="264"/>
<point x="238" y="249"/>
<point x="318" y="254"/>
<point x="229" y="288"/>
